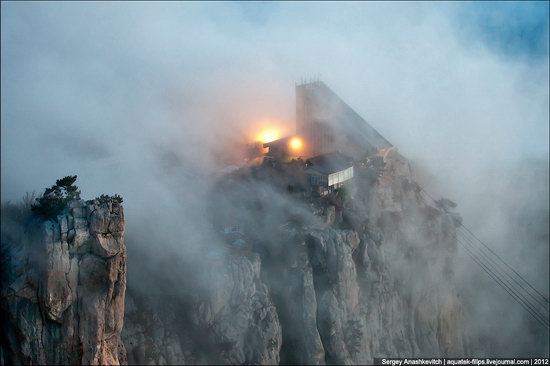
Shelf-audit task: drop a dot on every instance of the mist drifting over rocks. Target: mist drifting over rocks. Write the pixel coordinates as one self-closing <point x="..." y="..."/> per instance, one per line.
<point x="148" y="100"/>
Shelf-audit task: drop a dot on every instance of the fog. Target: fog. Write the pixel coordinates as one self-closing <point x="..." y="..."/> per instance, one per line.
<point x="147" y="100"/>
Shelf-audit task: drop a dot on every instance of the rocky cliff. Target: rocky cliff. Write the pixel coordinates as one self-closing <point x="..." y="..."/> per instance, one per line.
<point x="375" y="279"/>
<point x="292" y="278"/>
<point x="361" y="273"/>
<point x="227" y="317"/>
<point x="63" y="286"/>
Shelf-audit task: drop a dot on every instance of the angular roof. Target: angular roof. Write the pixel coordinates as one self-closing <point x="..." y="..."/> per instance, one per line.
<point x="329" y="163"/>
<point x="325" y="105"/>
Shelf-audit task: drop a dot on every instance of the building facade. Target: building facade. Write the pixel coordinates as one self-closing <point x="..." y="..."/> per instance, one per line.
<point x="327" y="123"/>
<point x="327" y="172"/>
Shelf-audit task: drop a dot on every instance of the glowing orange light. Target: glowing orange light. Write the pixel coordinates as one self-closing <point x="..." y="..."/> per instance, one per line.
<point x="295" y="143"/>
<point x="268" y="136"/>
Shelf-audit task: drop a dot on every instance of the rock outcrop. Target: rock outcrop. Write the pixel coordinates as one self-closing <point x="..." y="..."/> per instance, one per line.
<point x="236" y="307"/>
<point x="63" y="288"/>
<point x="228" y="318"/>
<point x="368" y="276"/>
<point x="153" y="332"/>
<point x="340" y="279"/>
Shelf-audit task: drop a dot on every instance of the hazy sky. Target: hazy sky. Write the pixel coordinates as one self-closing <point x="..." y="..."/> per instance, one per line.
<point x="113" y="91"/>
<point x="86" y="85"/>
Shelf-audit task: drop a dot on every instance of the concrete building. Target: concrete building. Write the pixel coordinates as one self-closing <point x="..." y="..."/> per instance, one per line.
<point x="327" y="124"/>
<point x="331" y="134"/>
<point x="328" y="172"/>
<point x="285" y="148"/>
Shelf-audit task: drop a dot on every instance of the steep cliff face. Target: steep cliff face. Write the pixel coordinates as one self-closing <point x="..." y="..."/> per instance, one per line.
<point x="238" y="312"/>
<point x="352" y="276"/>
<point x="374" y="280"/>
<point x="364" y="272"/>
<point x="227" y="318"/>
<point x="154" y="332"/>
<point x="63" y="287"/>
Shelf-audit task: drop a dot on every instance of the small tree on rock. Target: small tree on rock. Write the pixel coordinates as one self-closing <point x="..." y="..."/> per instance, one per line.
<point x="55" y="199"/>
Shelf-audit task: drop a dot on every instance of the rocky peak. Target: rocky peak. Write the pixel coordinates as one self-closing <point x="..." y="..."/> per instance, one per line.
<point x="364" y="272"/>
<point x="63" y="287"/>
<point x="361" y="273"/>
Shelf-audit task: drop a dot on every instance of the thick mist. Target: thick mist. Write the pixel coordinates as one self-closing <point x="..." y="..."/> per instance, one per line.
<point x="147" y="101"/>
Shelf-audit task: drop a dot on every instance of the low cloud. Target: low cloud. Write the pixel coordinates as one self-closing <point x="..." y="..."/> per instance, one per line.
<point x="142" y="99"/>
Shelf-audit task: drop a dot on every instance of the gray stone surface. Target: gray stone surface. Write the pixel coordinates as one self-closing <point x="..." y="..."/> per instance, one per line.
<point x="370" y="278"/>
<point x="64" y="302"/>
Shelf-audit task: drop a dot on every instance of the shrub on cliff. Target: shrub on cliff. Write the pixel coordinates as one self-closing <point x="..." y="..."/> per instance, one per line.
<point x="55" y="199"/>
<point x="106" y="198"/>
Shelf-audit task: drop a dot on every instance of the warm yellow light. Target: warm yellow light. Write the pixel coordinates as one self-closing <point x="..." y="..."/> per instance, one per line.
<point x="268" y="136"/>
<point x="295" y="143"/>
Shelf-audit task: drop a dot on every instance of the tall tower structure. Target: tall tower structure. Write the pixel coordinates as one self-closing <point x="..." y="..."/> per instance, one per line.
<point x="327" y="123"/>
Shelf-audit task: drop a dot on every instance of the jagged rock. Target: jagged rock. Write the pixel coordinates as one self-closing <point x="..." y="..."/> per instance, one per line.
<point x="334" y="295"/>
<point x="56" y="295"/>
<point x="71" y="235"/>
<point x="52" y="271"/>
<point x="99" y="220"/>
<point x="107" y="245"/>
<point x="321" y="293"/>
<point x="81" y="223"/>
<point x="336" y="288"/>
<point x="78" y="209"/>
<point x="116" y="224"/>
<point x="233" y="315"/>
<point x="330" y="215"/>
<point x="81" y="237"/>
<point x="237" y="307"/>
<point x="63" y="223"/>
<point x="152" y="340"/>
<point x="297" y="307"/>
